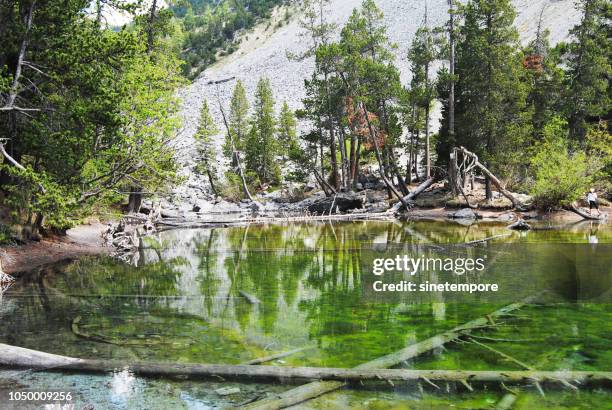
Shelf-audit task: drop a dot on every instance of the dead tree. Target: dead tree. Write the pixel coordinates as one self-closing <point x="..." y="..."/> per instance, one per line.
<point x="470" y="162"/>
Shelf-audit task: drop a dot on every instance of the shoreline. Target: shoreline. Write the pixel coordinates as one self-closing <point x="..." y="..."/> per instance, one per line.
<point x="79" y="241"/>
<point x="86" y="239"/>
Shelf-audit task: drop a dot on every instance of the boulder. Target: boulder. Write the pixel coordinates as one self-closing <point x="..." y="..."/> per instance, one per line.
<point x="465" y="213"/>
<point x="520" y="225"/>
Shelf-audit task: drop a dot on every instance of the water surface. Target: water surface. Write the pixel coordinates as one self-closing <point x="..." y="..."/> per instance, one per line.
<point x="181" y="301"/>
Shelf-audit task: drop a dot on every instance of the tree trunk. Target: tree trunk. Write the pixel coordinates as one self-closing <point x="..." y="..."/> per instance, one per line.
<point x="411" y="196"/>
<point x="12" y="356"/>
<point x="212" y="181"/>
<point x="150" y="33"/>
<point x="491" y="178"/>
<point x="135" y="199"/>
<point x="585" y="215"/>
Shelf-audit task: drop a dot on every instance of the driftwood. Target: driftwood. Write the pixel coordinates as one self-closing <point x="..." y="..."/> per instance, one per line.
<point x="315" y="389"/>
<point x="12" y="356"/>
<point x="408" y="198"/>
<point x="102" y="339"/>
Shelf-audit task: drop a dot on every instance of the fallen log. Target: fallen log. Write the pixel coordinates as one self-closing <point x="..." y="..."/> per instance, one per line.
<point x="311" y="390"/>
<point x="12" y="356"/>
<point x="573" y="208"/>
<point x="411" y="195"/>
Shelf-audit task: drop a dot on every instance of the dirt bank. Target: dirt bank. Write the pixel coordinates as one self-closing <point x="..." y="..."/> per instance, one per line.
<point x="79" y="241"/>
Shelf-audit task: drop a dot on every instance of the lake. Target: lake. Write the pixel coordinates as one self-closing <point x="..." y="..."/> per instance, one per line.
<point x="182" y="299"/>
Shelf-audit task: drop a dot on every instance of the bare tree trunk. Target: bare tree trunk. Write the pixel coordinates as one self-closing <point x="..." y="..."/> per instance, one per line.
<point x="491" y="178"/>
<point x="135" y="199"/>
<point x="14" y="90"/>
<point x="343" y="158"/>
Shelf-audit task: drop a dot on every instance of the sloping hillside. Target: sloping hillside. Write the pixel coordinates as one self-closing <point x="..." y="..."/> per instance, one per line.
<point x="263" y="52"/>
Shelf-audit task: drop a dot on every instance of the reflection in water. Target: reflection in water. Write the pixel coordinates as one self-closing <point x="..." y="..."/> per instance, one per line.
<point x="183" y="302"/>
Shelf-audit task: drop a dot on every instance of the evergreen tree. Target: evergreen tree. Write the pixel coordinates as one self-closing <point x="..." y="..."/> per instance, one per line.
<point x="545" y="79"/>
<point x="490" y="93"/>
<point x="262" y="148"/>
<point x="422" y="55"/>
<point x="287" y="133"/>
<point x="206" y="130"/>
<point x="84" y="111"/>
<point x="238" y="119"/>
<point x="589" y="68"/>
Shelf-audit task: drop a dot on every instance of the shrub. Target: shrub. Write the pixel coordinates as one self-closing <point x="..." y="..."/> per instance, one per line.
<point x="562" y="173"/>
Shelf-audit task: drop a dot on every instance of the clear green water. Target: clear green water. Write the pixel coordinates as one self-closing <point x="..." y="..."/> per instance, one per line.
<point x="182" y="303"/>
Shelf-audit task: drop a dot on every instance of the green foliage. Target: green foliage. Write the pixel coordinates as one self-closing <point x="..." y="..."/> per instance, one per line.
<point x="212" y="26"/>
<point x="102" y="113"/>
<point x="589" y="68"/>
<point x="206" y="129"/>
<point x="491" y="93"/>
<point x="261" y="146"/>
<point x="238" y="120"/>
<point x="287" y="133"/>
<point x="562" y="173"/>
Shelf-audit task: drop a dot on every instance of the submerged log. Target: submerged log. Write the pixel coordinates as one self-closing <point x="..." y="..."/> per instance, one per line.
<point x="25" y="358"/>
<point x="277" y="356"/>
<point x="338" y="203"/>
<point x="311" y="390"/>
<point x="408" y="198"/>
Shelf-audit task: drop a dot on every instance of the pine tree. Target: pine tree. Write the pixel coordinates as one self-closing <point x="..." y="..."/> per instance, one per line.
<point x="262" y="148"/>
<point x="490" y="94"/>
<point x="238" y="119"/>
<point x="422" y="55"/>
<point x="287" y="133"/>
<point x="588" y="93"/>
<point x="206" y="130"/>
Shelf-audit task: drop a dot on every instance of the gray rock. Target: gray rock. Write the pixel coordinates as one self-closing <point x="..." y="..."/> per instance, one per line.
<point x="226" y="391"/>
<point x="507" y="217"/>
<point x="465" y="213"/>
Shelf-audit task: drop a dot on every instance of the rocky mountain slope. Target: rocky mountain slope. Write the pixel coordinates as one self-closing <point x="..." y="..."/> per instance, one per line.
<point x="263" y="52"/>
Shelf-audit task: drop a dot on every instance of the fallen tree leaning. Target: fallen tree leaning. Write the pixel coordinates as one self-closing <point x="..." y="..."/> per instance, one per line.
<point x="33" y="359"/>
<point x="408" y="198"/>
